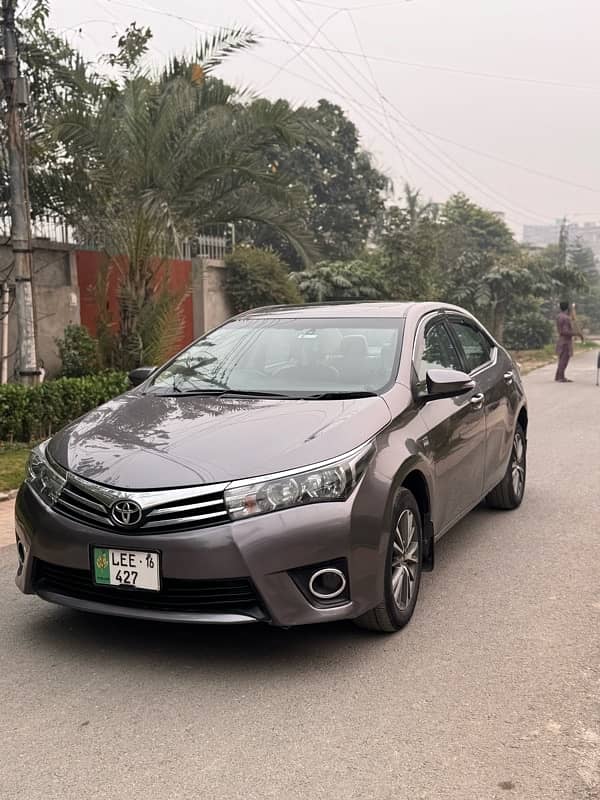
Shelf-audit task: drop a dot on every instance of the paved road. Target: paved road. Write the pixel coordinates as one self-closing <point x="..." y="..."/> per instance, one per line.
<point x="493" y="691"/>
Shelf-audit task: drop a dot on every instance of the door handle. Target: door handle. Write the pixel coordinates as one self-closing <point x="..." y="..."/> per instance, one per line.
<point x="509" y="376"/>
<point x="477" y="401"/>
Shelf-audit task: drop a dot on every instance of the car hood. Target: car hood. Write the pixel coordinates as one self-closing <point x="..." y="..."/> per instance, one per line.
<point x="151" y="441"/>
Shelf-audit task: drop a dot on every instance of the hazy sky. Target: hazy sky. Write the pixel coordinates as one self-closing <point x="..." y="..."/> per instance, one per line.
<point x="534" y="100"/>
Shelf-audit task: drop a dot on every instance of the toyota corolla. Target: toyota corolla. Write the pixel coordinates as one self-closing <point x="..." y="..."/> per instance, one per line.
<point x="295" y="465"/>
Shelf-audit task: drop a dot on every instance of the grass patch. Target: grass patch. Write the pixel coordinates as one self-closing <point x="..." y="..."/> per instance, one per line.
<point x="13" y="460"/>
<point x="529" y="360"/>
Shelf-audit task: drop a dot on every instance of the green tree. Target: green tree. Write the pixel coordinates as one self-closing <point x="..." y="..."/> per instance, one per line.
<point x="344" y="191"/>
<point x="479" y="261"/>
<point x="59" y="80"/>
<point x="409" y="244"/>
<point x="258" y="278"/>
<point x="582" y="259"/>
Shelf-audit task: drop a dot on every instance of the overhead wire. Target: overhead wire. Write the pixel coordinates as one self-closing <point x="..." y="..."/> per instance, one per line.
<point x="378" y="127"/>
<point x="364" y="6"/>
<point x="387" y="59"/>
<point x="344" y="93"/>
<point x="424" y="166"/>
<point x="434" y="135"/>
<point x="339" y="88"/>
<point x="476" y="182"/>
<point x="454" y="166"/>
<point x="299" y="52"/>
<point x="444" y="68"/>
<point x="382" y="104"/>
<point x="382" y="101"/>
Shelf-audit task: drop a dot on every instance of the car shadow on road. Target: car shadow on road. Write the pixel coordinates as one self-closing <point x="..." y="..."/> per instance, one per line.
<point x="63" y="632"/>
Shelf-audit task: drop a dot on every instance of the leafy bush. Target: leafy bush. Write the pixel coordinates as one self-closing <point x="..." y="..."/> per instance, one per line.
<point x="530" y="330"/>
<point x="78" y="352"/>
<point x="258" y="278"/>
<point x="34" y="412"/>
<point x="338" y="280"/>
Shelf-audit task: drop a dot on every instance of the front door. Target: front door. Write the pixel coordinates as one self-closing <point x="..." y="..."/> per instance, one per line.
<point x="455" y="440"/>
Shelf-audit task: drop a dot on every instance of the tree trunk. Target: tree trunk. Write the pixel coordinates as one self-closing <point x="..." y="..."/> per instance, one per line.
<point x="499" y="321"/>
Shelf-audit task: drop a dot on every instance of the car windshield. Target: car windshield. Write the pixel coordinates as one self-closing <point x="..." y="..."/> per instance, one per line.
<point x="289" y="357"/>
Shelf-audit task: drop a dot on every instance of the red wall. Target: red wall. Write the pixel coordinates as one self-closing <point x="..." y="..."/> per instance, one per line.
<point x="89" y="262"/>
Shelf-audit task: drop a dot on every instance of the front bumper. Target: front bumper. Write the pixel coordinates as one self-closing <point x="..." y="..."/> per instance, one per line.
<point x="264" y="550"/>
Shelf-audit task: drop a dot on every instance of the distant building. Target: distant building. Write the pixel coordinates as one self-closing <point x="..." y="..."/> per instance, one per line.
<point x="542" y="235"/>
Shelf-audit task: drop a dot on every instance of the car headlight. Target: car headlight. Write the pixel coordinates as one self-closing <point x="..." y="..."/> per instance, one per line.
<point x="42" y="477"/>
<point x="327" y="482"/>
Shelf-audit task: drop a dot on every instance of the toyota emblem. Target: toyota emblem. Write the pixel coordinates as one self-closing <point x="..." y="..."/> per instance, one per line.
<point x="126" y="513"/>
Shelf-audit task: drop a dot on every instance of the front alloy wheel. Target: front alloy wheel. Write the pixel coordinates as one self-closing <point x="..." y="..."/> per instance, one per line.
<point x="405" y="561"/>
<point x="402" y="567"/>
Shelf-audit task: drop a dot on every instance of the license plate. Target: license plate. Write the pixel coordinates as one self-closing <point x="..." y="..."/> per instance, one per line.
<point x="133" y="569"/>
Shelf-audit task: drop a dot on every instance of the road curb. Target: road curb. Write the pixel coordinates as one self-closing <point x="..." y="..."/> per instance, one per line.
<point x="8" y="495"/>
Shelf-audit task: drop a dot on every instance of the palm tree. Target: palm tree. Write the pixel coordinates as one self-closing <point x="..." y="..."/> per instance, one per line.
<point x="159" y="159"/>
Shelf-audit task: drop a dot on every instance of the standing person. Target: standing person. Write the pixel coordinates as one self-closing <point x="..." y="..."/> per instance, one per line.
<point x="564" y="345"/>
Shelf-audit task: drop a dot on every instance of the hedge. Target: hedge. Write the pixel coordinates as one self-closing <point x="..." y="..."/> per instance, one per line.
<point x="34" y="412"/>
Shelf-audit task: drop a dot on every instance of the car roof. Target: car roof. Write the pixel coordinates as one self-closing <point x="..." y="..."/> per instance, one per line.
<point x="364" y="310"/>
<point x="328" y="310"/>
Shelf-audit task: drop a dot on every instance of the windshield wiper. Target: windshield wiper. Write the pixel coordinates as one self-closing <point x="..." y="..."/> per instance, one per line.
<point x="256" y="393"/>
<point x="214" y="387"/>
<point x="348" y="395"/>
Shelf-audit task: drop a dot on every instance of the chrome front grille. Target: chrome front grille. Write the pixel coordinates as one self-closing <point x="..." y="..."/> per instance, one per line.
<point x="76" y="503"/>
<point x="162" y="511"/>
<point x="202" y="510"/>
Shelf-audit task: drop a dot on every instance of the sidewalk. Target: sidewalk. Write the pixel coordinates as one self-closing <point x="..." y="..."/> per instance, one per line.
<point x="7" y="528"/>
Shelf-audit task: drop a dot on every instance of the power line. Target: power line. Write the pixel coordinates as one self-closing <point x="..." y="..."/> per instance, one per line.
<point x="420" y="162"/>
<point x="468" y="148"/>
<point x="299" y="52"/>
<point x="374" y="83"/>
<point x="454" y="166"/>
<point x="336" y="84"/>
<point x="488" y="190"/>
<point x="385" y="59"/>
<point x="394" y="3"/>
<point x="442" y="68"/>
<point x="514" y="164"/>
<point x="382" y="101"/>
<point x="343" y="93"/>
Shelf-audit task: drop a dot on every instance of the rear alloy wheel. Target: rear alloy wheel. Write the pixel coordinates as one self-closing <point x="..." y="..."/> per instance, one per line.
<point x="509" y="493"/>
<point x="402" y="569"/>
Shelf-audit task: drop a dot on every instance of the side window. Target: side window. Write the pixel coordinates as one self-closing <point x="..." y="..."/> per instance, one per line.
<point x="436" y="350"/>
<point x="476" y="346"/>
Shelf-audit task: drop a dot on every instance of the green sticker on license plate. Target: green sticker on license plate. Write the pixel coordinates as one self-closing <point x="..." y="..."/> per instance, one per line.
<point x="101" y="566"/>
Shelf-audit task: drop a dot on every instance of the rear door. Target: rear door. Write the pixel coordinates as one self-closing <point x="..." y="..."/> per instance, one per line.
<point x="486" y="365"/>
<point x="456" y="427"/>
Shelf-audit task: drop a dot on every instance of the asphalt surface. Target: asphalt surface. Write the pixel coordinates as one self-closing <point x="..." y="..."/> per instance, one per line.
<point x="493" y="691"/>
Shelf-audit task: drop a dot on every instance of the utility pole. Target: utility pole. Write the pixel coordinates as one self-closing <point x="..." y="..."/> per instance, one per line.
<point x="4" y="309"/>
<point x="15" y="92"/>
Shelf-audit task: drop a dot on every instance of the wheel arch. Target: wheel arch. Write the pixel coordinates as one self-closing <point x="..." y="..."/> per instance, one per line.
<point x="417" y="484"/>
<point x="523" y="419"/>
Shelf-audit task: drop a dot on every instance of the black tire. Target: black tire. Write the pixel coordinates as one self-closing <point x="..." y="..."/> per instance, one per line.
<point x="394" y="612"/>
<point x="509" y="493"/>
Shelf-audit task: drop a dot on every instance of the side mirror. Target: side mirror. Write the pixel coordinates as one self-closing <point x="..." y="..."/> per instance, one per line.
<point x="445" y="383"/>
<point x="139" y="375"/>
